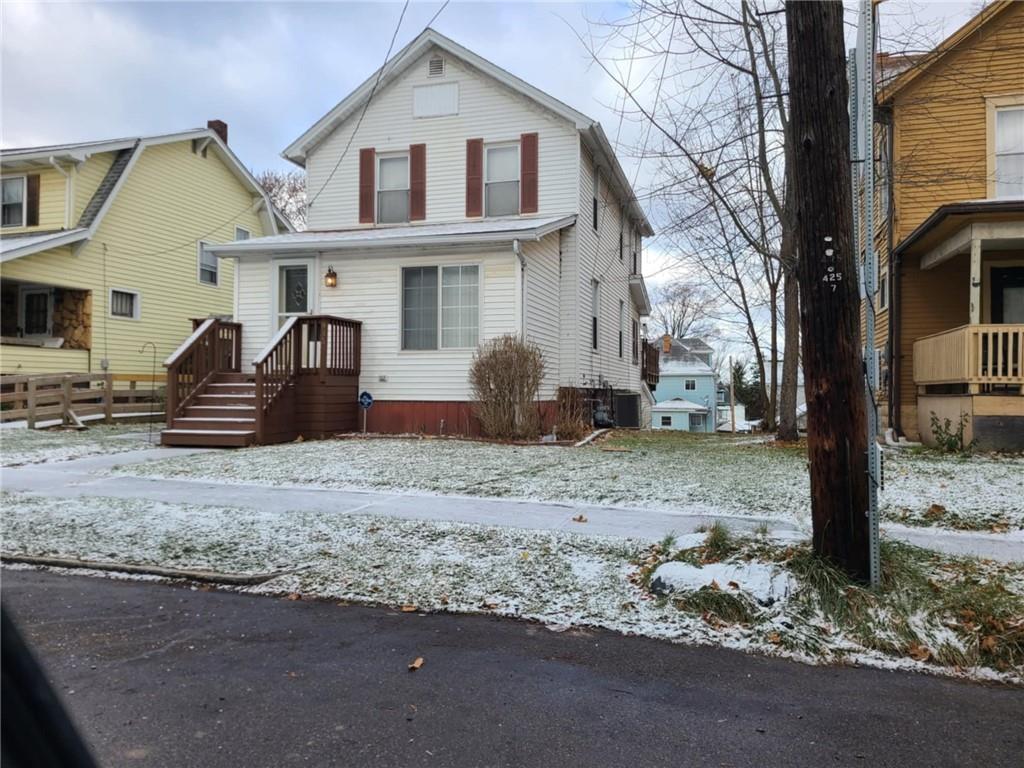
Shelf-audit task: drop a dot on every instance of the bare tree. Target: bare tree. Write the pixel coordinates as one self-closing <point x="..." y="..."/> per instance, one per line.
<point x="683" y="309"/>
<point x="718" y="111"/>
<point x="287" y="190"/>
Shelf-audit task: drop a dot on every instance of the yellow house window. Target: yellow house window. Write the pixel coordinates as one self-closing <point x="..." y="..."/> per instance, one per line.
<point x="14" y="201"/>
<point x="1005" y="166"/>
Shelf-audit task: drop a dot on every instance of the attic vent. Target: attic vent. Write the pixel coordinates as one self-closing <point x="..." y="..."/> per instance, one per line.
<point x="435" y="67"/>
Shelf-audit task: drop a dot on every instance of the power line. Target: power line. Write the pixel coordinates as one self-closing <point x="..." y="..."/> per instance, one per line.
<point x="366" y="104"/>
<point x="434" y="17"/>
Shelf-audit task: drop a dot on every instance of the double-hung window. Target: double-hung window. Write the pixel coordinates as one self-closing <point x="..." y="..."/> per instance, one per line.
<point x="208" y="266"/>
<point x="450" y="315"/>
<point x="1009" y="152"/>
<point x="501" y="180"/>
<point x="393" y="189"/>
<point x="690" y="385"/>
<point x="13" y="209"/>
<point x="241" y="233"/>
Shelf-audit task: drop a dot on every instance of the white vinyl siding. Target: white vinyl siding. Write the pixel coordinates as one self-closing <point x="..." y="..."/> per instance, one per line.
<point x="595" y="256"/>
<point x="487" y="110"/>
<point x="543" y="312"/>
<point x="439" y="100"/>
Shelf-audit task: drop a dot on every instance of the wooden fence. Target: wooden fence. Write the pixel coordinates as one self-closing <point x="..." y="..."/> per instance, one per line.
<point x="70" y="397"/>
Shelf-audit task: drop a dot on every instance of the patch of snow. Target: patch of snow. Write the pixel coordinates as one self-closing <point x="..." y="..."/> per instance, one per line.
<point x="764" y="582"/>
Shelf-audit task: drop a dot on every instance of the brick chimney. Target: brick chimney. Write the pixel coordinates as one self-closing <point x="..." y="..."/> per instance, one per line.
<point x="220" y="128"/>
<point x="666" y="344"/>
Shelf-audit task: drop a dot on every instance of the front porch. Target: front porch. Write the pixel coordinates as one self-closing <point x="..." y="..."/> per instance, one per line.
<point x="44" y="328"/>
<point x="304" y="383"/>
<point x="964" y="309"/>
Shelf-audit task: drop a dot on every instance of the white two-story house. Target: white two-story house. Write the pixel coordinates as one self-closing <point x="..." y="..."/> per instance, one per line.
<point x="449" y="203"/>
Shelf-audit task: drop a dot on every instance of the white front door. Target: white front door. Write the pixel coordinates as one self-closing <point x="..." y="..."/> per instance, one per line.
<point x="294" y="289"/>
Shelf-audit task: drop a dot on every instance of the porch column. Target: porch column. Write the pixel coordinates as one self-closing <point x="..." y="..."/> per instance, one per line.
<point x="975" y="281"/>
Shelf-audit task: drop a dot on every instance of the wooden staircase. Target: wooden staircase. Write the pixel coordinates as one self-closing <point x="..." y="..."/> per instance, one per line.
<point x="223" y="414"/>
<point x="304" y="382"/>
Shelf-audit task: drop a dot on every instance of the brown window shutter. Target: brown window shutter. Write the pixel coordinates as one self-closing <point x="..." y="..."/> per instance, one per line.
<point x="475" y="177"/>
<point x="528" y="160"/>
<point x="367" y="185"/>
<point x="417" y="182"/>
<point x="32" y="200"/>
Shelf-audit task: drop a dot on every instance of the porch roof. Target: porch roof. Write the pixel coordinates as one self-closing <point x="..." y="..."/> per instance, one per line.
<point x="486" y="232"/>
<point x="948" y="231"/>
<point x="679" y="404"/>
<point x="15" y="246"/>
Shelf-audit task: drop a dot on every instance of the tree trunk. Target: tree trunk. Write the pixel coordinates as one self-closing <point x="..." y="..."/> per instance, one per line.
<point x="773" y="359"/>
<point x="830" y="311"/>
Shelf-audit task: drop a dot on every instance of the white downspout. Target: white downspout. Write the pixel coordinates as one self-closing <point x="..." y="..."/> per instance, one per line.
<point x="67" y="191"/>
<point x="522" y="287"/>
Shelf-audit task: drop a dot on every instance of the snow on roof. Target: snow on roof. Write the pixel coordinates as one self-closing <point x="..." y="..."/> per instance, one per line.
<point x="679" y="404"/>
<point x="463" y="232"/>
<point x="693" y="367"/>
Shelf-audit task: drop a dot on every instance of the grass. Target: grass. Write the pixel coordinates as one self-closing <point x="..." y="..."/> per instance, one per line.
<point x="932" y="608"/>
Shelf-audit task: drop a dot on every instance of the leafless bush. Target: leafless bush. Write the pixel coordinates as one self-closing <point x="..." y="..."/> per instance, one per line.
<point x="573" y="414"/>
<point x="505" y="377"/>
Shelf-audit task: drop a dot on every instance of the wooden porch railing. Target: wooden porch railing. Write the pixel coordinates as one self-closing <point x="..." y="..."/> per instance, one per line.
<point x="976" y="355"/>
<point x="650" y="366"/>
<point x="215" y="346"/>
<point x="320" y="345"/>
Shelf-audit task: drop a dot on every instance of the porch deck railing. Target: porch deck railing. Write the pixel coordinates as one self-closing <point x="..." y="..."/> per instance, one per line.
<point x="319" y="345"/>
<point x="976" y="355"/>
<point x="215" y="346"/>
<point x="650" y="364"/>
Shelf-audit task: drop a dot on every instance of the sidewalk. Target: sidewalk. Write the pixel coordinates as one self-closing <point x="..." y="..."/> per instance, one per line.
<point x="84" y="477"/>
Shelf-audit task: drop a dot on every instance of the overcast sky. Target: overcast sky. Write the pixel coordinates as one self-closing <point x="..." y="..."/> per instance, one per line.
<point x="79" y="71"/>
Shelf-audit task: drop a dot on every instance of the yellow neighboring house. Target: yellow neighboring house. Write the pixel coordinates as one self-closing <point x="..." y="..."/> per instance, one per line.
<point x="102" y="248"/>
<point x="950" y="165"/>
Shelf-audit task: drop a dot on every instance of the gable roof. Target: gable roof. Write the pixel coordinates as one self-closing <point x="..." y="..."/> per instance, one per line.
<point x="924" y="62"/>
<point x="591" y="131"/>
<point x="128" y="151"/>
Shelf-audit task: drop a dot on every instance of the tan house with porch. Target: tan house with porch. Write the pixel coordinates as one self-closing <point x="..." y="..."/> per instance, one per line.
<point x="950" y="304"/>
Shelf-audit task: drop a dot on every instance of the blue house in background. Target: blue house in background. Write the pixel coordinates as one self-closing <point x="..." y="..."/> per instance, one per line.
<point x="687" y="388"/>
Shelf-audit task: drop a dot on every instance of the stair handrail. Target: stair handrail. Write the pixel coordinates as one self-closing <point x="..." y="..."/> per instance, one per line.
<point x="190" y="367"/>
<point x="276" y="366"/>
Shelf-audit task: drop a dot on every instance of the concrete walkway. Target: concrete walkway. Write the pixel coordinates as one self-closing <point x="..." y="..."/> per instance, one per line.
<point x="87" y="477"/>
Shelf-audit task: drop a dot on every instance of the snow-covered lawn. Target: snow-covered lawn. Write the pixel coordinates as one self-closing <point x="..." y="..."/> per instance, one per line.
<point x="33" y="446"/>
<point x="561" y="579"/>
<point x="660" y="470"/>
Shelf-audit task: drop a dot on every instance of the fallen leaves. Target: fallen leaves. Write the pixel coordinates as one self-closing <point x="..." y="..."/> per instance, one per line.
<point x="410" y="608"/>
<point x="919" y="652"/>
<point x="416" y="664"/>
<point x="294" y="596"/>
<point x="579" y="519"/>
<point x="935" y="511"/>
<point x="774" y="638"/>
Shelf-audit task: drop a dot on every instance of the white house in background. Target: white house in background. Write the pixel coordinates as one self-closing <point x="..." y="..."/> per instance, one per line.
<point x="452" y="203"/>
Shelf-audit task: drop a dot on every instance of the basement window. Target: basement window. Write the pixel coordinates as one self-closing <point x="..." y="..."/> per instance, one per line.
<point x="124" y="304"/>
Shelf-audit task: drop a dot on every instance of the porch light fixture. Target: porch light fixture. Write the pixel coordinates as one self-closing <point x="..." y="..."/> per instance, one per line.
<point x="331" y="278"/>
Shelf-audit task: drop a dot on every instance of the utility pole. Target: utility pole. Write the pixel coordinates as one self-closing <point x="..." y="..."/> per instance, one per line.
<point x="829" y="298"/>
<point x="732" y="396"/>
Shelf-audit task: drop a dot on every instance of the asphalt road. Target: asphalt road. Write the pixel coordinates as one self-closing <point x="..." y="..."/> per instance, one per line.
<point x="167" y="676"/>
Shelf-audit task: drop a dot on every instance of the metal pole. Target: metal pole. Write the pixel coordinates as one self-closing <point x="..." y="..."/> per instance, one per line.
<point x="732" y="396"/>
<point x="152" y="389"/>
<point x="865" y="116"/>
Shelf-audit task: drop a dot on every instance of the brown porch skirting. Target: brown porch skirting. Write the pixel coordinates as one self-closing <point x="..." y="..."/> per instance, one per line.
<point x="431" y="417"/>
